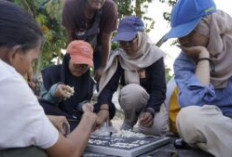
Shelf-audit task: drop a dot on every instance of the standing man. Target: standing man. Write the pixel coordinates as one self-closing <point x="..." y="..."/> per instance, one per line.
<point x="92" y="21"/>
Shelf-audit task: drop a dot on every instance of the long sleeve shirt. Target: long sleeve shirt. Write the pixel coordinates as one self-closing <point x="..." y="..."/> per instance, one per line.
<point x="154" y="84"/>
<point x="192" y="92"/>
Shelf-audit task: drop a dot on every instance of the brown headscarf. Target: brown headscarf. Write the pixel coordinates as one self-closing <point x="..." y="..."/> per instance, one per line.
<point x="218" y="28"/>
<point x="147" y="54"/>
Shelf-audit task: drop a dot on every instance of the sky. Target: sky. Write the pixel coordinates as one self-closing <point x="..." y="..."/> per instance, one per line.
<point x="161" y="27"/>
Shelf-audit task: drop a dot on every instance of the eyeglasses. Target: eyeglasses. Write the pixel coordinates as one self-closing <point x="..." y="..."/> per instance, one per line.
<point x="124" y="43"/>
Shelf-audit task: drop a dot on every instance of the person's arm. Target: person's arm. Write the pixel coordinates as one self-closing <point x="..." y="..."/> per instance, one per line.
<point x="108" y="25"/>
<point x="67" y="20"/>
<point x="158" y="85"/>
<point x="105" y="97"/>
<point x="202" y="71"/>
<point x="75" y="143"/>
<point x="61" y="124"/>
<point x="192" y="91"/>
<point x="35" y="128"/>
<point x="157" y="95"/>
<point x="70" y="35"/>
<point x="49" y="95"/>
<point x="57" y="93"/>
<point x="106" y="46"/>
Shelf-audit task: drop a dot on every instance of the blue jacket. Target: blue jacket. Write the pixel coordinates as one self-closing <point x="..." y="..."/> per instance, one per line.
<point x="192" y="92"/>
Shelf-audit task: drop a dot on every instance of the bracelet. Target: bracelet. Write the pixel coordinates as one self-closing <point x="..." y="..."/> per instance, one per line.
<point x="204" y="58"/>
<point x="212" y="66"/>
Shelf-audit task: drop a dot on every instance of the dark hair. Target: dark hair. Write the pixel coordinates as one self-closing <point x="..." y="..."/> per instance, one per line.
<point x="17" y="27"/>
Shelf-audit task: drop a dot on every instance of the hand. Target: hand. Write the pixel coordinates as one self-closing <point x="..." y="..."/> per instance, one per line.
<point x="28" y="76"/>
<point x="91" y="118"/>
<point x="195" y="51"/>
<point x="102" y="116"/>
<point x="31" y="84"/>
<point x="61" y="123"/>
<point x="87" y="107"/>
<point x="64" y="91"/>
<point x="146" y="119"/>
<point x="99" y="73"/>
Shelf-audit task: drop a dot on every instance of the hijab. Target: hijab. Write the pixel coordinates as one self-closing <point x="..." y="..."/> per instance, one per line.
<point x="218" y="28"/>
<point x="147" y="54"/>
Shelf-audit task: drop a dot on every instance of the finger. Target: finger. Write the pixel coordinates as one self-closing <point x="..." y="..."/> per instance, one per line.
<point x="147" y="124"/>
<point x="144" y="116"/>
<point x="148" y="119"/>
<point x="91" y="108"/>
<point x="141" y="123"/>
<point x="150" y="123"/>
<point x="69" y="89"/>
<point x="98" y="123"/>
<point x="66" y="128"/>
<point x="141" y="116"/>
<point x="142" y="119"/>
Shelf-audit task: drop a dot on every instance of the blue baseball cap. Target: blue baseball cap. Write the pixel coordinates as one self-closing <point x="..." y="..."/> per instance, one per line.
<point x="128" y="28"/>
<point x="186" y="15"/>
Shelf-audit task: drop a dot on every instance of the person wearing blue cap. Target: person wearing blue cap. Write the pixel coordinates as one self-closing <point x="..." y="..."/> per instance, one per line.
<point x="139" y="67"/>
<point x="203" y="73"/>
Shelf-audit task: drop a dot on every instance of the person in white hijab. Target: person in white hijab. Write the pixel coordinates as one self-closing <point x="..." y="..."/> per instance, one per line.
<point x="139" y="68"/>
<point x="203" y="73"/>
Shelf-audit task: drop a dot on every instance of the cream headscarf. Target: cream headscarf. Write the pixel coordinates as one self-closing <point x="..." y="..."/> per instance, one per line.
<point x="218" y="28"/>
<point x="147" y="54"/>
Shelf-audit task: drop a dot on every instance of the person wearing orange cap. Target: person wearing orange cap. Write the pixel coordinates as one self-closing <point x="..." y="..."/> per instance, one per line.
<point x="92" y="21"/>
<point x="68" y="87"/>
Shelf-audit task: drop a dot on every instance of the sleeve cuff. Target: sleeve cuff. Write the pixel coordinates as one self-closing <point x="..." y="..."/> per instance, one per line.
<point x="151" y="111"/>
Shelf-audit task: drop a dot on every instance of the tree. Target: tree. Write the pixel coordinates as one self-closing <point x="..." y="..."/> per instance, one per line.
<point x="137" y="8"/>
<point x="47" y="14"/>
<point x="166" y="16"/>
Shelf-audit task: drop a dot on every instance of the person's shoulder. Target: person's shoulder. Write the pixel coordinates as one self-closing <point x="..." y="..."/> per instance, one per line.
<point x="109" y="5"/>
<point x="110" y="2"/>
<point x="71" y="4"/>
<point x="51" y="69"/>
<point x="7" y="71"/>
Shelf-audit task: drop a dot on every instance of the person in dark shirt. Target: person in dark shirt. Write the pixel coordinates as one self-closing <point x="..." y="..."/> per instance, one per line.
<point x="68" y="87"/>
<point x="139" y="67"/>
<point x="92" y="21"/>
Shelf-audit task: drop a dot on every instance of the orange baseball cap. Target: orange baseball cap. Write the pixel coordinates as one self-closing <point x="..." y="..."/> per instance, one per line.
<point x="80" y="52"/>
